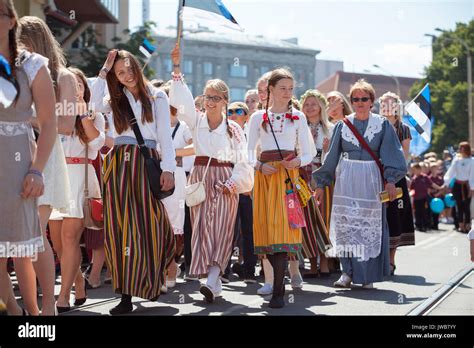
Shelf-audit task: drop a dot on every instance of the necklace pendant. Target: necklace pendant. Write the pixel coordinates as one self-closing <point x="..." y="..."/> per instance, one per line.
<point x="278" y="117"/>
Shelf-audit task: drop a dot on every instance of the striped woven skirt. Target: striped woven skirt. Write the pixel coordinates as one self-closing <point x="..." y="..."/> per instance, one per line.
<point x="139" y="240"/>
<point x="212" y="221"/>
<point x="271" y="230"/>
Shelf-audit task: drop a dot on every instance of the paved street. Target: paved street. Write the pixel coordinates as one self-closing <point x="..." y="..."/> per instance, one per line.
<point x="421" y="270"/>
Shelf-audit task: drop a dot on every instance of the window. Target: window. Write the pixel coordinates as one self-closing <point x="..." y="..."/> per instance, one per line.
<point x="237" y="94"/>
<point x="238" y="71"/>
<point x="167" y="66"/>
<point x="207" y="68"/>
<point x="188" y="66"/>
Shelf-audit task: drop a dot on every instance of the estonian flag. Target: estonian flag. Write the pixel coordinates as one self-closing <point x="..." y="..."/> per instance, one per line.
<point x="8" y="84"/>
<point x="147" y="49"/>
<point x="420" y="111"/>
<point x="209" y="10"/>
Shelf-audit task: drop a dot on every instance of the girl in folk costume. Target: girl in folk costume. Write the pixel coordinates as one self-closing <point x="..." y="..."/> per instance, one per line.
<point x="180" y="97"/>
<point x="221" y="151"/>
<point x="358" y="228"/>
<point x="66" y="229"/>
<point x="139" y="241"/>
<point x="338" y="106"/>
<point x="399" y="212"/>
<point x="22" y="160"/>
<point x="314" y="107"/>
<point x="35" y="35"/>
<point x="277" y="126"/>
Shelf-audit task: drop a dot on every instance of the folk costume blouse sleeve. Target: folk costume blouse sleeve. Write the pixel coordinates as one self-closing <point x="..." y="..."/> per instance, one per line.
<point x="99" y="96"/>
<point x="182" y="99"/>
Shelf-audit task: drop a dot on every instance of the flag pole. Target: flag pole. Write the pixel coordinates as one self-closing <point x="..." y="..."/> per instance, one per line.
<point x="179" y="27"/>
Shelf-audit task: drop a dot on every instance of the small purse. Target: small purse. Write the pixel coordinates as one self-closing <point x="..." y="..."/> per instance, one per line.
<point x="196" y="193"/>
<point x="93" y="208"/>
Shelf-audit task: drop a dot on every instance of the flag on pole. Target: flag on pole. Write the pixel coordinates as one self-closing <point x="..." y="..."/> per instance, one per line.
<point x="418" y="144"/>
<point x="420" y="111"/>
<point x="147" y="49"/>
<point x="8" y="85"/>
<point x="201" y="11"/>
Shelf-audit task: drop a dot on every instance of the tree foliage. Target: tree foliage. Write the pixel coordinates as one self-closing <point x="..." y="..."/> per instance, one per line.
<point x="447" y="76"/>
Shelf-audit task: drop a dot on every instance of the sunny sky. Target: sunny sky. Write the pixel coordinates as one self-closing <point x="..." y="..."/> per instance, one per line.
<point x="359" y="33"/>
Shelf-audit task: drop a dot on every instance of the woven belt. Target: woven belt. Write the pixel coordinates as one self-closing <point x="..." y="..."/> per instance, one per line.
<point x="202" y="161"/>
<point x="274" y="155"/>
<point x="77" y="160"/>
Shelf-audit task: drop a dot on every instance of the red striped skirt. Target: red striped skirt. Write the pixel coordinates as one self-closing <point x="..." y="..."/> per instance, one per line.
<point x="212" y="221"/>
<point x="139" y="240"/>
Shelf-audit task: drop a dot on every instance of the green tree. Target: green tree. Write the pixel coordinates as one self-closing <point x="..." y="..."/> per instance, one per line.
<point x="447" y="76"/>
<point x="91" y="57"/>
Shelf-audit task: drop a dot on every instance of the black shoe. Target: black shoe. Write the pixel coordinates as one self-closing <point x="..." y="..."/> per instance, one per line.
<point x="123" y="307"/>
<point x="277" y="302"/>
<point x="324" y="274"/>
<point x="63" y="309"/>
<point x="81" y="301"/>
<point x="225" y="278"/>
<point x="249" y="277"/>
<point x="238" y="269"/>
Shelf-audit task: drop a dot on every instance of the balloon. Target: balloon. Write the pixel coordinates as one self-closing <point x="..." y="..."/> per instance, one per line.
<point x="437" y="205"/>
<point x="449" y="200"/>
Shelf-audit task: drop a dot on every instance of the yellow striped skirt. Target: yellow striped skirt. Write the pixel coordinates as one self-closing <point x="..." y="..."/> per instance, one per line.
<point x="271" y="230"/>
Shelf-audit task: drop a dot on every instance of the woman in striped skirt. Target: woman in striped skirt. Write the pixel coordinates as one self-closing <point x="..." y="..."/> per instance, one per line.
<point x="139" y="242"/>
<point x="280" y="123"/>
<point x="314" y="107"/>
<point x="222" y="163"/>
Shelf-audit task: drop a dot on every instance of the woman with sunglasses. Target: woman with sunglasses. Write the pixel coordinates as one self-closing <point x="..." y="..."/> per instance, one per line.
<point x="220" y="146"/>
<point x="358" y="228"/>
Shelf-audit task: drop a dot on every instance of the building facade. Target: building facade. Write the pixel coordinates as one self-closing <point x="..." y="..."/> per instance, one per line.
<point x="236" y="58"/>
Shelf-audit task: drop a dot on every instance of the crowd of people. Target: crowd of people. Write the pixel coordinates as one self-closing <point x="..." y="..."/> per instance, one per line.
<point x="279" y="179"/>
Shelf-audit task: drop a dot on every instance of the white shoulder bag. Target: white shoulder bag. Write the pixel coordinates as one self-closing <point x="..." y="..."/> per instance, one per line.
<point x="196" y="193"/>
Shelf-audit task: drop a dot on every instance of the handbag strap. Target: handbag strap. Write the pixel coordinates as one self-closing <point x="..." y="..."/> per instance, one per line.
<point x="364" y="145"/>
<point x="86" y="172"/>
<point x="136" y="130"/>
<point x="288" y="179"/>
<point x="205" y="171"/>
<point x="175" y="130"/>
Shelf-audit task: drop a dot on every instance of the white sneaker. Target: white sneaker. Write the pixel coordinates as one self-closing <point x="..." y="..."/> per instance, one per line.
<point x="297" y="281"/>
<point x="266" y="289"/>
<point x="164" y="289"/>
<point x="170" y="284"/>
<point x="368" y="286"/>
<point x="343" y="282"/>
<point x="178" y="272"/>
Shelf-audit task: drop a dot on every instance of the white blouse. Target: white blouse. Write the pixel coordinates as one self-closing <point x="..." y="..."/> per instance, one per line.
<point x="215" y="143"/>
<point x="158" y="130"/>
<point x="290" y="135"/>
<point x="461" y="169"/>
<point x="73" y="147"/>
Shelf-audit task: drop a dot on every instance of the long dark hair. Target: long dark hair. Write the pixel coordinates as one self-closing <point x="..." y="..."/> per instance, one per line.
<point x="13" y="41"/>
<point x="81" y="133"/>
<point x="118" y="99"/>
<point x="275" y="76"/>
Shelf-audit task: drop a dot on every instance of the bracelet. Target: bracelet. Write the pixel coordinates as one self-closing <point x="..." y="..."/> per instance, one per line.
<point x="105" y="69"/>
<point x="177" y="77"/>
<point x="83" y="116"/>
<point x="35" y="172"/>
<point x="176" y="65"/>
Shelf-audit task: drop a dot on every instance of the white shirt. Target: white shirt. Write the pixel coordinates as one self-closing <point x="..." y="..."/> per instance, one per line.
<point x="73" y="147"/>
<point x="214" y="143"/>
<point x="159" y="129"/>
<point x="290" y="135"/>
<point x="461" y="169"/>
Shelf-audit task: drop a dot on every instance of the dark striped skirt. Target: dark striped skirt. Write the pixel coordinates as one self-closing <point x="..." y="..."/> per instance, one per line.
<point x="400" y="219"/>
<point x="139" y="240"/>
<point x="212" y="221"/>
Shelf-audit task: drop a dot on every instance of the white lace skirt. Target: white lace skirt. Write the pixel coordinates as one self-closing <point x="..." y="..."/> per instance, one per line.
<point x="57" y="192"/>
<point x="356" y="217"/>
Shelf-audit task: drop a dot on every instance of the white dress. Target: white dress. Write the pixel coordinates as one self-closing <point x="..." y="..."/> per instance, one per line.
<point x="73" y="147"/>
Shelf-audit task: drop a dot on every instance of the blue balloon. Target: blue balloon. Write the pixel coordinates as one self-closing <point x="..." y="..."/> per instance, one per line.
<point x="437" y="205"/>
<point x="449" y="200"/>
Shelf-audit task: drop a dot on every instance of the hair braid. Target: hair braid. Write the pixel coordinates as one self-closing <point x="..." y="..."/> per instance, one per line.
<point x="266" y="109"/>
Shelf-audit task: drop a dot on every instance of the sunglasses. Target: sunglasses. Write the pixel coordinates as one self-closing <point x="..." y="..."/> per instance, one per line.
<point x="238" y="112"/>
<point x="363" y="99"/>
<point x="214" y="98"/>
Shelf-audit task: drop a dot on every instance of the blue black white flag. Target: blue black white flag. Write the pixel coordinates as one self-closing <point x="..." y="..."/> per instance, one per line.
<point x="209" y="10"/>
<point x="420" y="111"/>
<point x="147" y="49"/>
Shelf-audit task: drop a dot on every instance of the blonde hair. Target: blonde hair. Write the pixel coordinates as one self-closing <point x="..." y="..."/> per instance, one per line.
<point x="364" y="86"/>
<point x="220" y="87"/>
<point x="37" y="37"/>
<point x="250" y="92"/>
<point x="264" y="78"/>
<point x="347" y="108"/>
<point x="323" y="103"/>
<point x="391" y="95"/>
